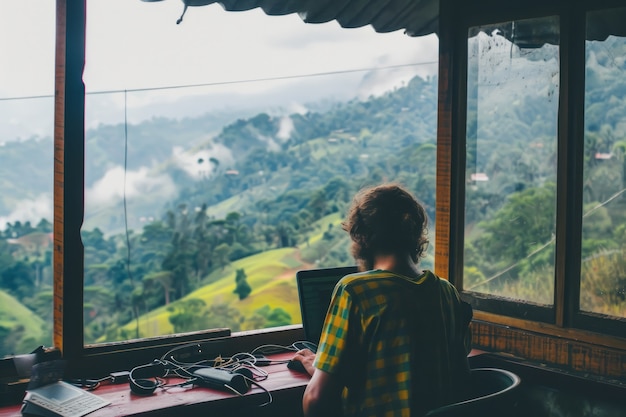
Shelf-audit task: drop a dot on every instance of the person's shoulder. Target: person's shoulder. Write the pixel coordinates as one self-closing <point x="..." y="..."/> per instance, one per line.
<point x="443" y="283"/>
<point x="360" y="276"/>
<point x="364" y="278"/>
<point x="451" y="293"/>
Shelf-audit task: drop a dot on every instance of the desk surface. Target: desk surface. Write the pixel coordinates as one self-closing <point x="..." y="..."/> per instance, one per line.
<point x="177" y="399"/>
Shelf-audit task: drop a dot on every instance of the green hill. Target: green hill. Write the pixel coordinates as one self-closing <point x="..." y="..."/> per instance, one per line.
<point x="14" y="314"/>
<point x="270" y="274"/>
<point x="248" y="198"/>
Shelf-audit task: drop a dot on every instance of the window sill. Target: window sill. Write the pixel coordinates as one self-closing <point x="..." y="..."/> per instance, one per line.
<point x="99" y="361"/>
<point x="552" y="330"/>
<point x="549" y="345"/>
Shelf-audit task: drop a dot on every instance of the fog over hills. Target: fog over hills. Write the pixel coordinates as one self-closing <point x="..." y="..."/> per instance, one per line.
<point x="177" y="136"/>
<point x="27" y="193"/>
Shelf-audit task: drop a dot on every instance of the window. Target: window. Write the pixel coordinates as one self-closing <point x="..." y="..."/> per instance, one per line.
<point x="221" y="155"/>
<point x="26" y="146"/>
<point x="115" y="247"/>
<point x="542" y="186"/>
<point x="603" y="266"/>
<point x="511" y="155"/>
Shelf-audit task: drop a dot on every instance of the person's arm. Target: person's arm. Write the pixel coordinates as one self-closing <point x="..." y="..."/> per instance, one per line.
<point x="322" y="397"/>
<point x="306" y="357"/>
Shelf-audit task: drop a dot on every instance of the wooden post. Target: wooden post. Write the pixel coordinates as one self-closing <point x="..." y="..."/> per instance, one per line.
<point x="69" y="111"/>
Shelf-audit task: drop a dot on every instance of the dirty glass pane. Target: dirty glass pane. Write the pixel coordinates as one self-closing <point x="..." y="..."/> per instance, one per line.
<point x="222" y="152"/>
<point x="510" y="195"/>
<point x="603" y="268"/>
<point x="27" y="30"/>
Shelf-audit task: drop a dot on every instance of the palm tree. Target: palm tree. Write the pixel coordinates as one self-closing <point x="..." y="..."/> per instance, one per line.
<point x="164" y="279"/>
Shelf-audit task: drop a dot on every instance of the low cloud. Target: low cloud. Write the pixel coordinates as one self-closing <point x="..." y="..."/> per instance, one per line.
<point x="32" y="210"/>
<point x="111" y="188"/>
<point x="285" y="128"/>
<point x="204" y="163"/>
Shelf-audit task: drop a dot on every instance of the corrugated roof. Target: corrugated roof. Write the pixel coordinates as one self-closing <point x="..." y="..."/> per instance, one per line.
<point x="414" y="17"/>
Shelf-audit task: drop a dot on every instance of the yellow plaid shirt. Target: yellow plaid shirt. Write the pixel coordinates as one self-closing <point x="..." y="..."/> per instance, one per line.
<point x="399" y="345"/>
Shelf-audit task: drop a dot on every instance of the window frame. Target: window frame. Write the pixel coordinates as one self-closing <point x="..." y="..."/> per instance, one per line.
<point x="69" y="195"/>
<point x="568" y="325"/>
<point x="564" y="317"/>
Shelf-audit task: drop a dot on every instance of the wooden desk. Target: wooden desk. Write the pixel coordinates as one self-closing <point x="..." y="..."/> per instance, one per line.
<point x="286" y="387"/>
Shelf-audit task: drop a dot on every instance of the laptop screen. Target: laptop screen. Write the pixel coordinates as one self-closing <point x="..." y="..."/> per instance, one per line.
<point x="315" y="288"/>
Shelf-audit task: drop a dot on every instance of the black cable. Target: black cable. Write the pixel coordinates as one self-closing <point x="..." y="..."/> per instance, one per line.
<point x="89" y="384"/>
<point x="130" y="275"/>
<point x="216" y="83"/>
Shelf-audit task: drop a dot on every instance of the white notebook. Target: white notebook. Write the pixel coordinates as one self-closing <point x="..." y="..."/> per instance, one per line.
<point x="61" y="399"/>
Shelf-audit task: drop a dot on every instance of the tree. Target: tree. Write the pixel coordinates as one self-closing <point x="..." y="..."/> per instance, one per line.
<point x="523" y="224"/>
<point x="317" y="204"/>
<point x="620" y="151"/>
<point x="221" y="255"/>
<point x="99" y="308"/>
<point x="179" y="259"/>
<point x="242" y="288"/>
<point x="18" y="280"/>
<point x="265" y="317"/>
<point x="165" y="281"/>
<point x="187" y="315"/>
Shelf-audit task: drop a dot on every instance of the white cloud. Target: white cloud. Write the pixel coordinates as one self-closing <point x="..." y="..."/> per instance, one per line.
<point x="32" y="210"/>
<point x="27" y="30"/>
<point x="285" y="128"/>
<point x="110" y="188"/>
<point x="203" y="163"/>
<point x="134" y="45"/>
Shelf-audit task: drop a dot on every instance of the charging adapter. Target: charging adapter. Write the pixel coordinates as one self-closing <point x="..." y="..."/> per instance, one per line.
<point x="261" y="360"/>
<point x="119" y="377"/>
<point x="221" y="379"/>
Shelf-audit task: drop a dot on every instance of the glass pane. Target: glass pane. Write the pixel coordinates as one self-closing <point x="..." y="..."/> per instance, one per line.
<point x="510" y="196"/>
<point x="26" y="166"/>
<point x="603" y="273"/>
<point x="221" y="155"/>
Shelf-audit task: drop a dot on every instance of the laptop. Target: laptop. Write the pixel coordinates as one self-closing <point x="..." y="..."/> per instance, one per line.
<point x="315" y="288"/>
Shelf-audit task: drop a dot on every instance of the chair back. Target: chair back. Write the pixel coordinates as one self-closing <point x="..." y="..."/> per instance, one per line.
<point x="492" y="392"/>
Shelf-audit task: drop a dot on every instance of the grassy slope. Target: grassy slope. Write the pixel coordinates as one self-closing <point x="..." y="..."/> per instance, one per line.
<point x="271" y="275"/>
<point x="14" y="313"/>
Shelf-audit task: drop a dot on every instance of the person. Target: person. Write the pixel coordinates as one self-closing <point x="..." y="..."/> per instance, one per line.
<point x="396" y="338"/>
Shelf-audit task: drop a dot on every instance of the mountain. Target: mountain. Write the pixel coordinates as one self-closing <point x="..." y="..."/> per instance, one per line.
<point x="173" y="162"/>
<point x="219" y="211"/>
<point x="161" y="162"/>
<point x="20" y="328"/>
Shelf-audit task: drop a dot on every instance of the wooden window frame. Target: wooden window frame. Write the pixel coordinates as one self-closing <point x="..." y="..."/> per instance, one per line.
<point x="69" y="164"/>
<point x="574" y="347"/>
<point x="581" y="341"/>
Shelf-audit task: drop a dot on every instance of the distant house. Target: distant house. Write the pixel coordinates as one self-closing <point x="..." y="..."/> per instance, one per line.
<point x="479" y="176"/>
<point x="32" y="244"/>
<point x="603" y="156"/>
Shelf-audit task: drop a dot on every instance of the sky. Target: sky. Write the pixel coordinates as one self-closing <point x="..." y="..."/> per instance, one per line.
<point x="133" y="45"/>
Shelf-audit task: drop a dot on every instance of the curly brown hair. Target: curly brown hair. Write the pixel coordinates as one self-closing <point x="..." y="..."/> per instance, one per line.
<point x="386" y="219"/>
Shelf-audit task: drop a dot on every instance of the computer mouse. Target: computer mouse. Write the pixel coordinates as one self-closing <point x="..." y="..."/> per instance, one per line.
<point x="245" y="372"/>
<point x="297" y="366"/>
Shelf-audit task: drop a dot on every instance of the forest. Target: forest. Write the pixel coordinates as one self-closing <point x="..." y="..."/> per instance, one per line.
<point x="223" y="251"/>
